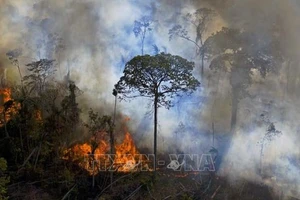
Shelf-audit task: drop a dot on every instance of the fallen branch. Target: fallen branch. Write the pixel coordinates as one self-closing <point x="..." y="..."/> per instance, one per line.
<point x="34" y="182"/>
<point x="197" y="183"/>
<point x="133" y="193"/>
<point x="150" y="193"/>
<point x="27" y="159"/>
<point x="67" y="194"/>
<point x="37" y="156"/>
<point x="215" y="192"/>
<point x="182" y="186"/>
<point x="15" y="184"/>
<point x="208" y="186"/>
<point x="242" y="188"/>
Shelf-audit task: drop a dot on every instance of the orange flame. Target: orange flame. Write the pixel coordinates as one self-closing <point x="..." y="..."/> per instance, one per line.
<point x="5" y="94"/>
<point x="125" y="153"/>
<point x="38" y="116"/>
<point x="12" y="109"/>
<point x="124" y="158"/>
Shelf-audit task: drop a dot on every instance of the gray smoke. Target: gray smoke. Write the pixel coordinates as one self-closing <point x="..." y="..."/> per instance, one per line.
<point x="94" y="39"/>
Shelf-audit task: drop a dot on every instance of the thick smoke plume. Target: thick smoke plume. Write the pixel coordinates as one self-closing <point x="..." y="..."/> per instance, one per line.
<point x="92" y="41"/>
<point x="275" y="98"/>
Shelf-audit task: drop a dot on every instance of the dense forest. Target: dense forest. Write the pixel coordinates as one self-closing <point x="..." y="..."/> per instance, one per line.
<point x="134" y="99"/>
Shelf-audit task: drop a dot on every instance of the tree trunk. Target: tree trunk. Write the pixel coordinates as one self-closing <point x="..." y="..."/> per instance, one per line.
<point x="288" y="77"/>
<point x="234" y="109"/>
<point x="111" y="154"/>
<point x="21" y="139"/>
<point x="213" y="133"/>
<point x="112" y="142"/>
<point x="143" y="39"/>
<point x="5" y="127"/>
<point x="261" y="158"/>
<point x="155" y="130"/>
<point x="37" y="156"/>
<point x="202" y="65"/>
<point x="20" y="74"/>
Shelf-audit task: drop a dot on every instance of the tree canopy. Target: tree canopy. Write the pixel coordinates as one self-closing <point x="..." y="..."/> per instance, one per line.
<point x="198" y="21"/>
<point x="163" y="76"/>
<point x="240" y="52"/>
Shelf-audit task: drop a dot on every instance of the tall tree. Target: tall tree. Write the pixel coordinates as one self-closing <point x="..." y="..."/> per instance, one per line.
<point x="13" y="56"/>
<point x="271" y="135"/>
<point x="199" y="20"/>
<point x="160" y="78"/>
<point x="40" y="72"/>
<point x="240" y="53"/>
<point x="141" y="27"/>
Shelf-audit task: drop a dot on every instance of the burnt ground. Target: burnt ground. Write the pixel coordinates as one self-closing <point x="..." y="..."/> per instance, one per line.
<point x="171" y="185"/>
<point x="167" y="185"/>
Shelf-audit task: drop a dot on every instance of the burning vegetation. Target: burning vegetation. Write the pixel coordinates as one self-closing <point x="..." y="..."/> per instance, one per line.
<point x="9" y="107"/>
<point x="235" y="137"/>
<point x="94" y="155"/>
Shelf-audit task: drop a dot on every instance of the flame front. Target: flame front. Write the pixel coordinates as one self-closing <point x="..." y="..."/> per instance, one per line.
<point x="125" y="153"/>
<point x="91" y="159"/>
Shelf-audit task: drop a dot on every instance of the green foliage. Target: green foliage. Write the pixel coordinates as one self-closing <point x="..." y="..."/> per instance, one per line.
<point x="69" y="105"/>
<point x="40" y="71"/>
<point x="163" y="76"/>
<point x="99" y="127"/>
<point x="186" y="196"/>
<point x="4" y="180"/>
<point x="159" y="77"/>
<point x="98" y="123"/>
<point x="146" y="181"/>
<point x="68" y="176"/>
<point x="3" y="164"/>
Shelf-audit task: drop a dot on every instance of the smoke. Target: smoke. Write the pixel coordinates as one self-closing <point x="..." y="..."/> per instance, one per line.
<point x="274" y="99"/>
<point x="91" y="41"/>
<point x="94" y="39"/>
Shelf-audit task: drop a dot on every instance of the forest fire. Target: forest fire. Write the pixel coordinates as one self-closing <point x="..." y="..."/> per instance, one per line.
<point x="125" y="153"/>
<point x="6" y="94"/>
<point x="8" y="106"/>
<point x="94" y="156"/>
